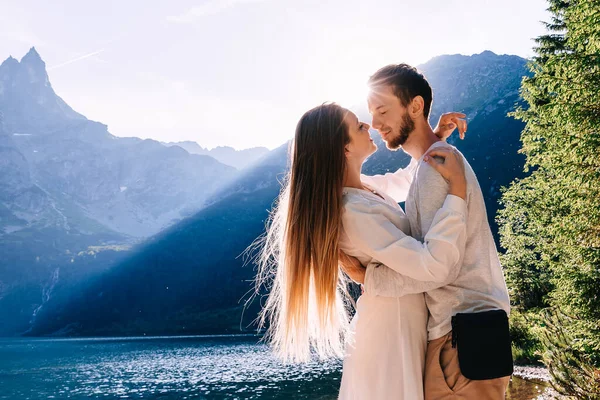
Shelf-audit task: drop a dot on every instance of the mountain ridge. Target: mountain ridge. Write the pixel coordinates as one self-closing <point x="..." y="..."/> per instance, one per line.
<point x="227" y="155"/>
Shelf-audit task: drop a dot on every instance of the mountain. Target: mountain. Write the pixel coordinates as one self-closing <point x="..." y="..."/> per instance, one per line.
<point x="69" y="188"/>
<point x="131" y="186"/>
<point x="190" y="278"/>
<point x="239" y="159"/>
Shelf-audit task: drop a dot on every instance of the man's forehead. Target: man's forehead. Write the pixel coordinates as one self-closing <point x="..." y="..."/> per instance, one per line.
<point x="379" y="97"/>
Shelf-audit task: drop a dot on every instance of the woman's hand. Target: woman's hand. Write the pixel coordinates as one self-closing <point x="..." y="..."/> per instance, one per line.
<point x="352" y="267"/>
<point x="448" y="123"/>
<point x="449" y="163"/>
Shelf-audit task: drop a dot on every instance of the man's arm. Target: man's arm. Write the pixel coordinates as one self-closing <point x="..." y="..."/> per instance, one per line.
<point x="430" y="193"/>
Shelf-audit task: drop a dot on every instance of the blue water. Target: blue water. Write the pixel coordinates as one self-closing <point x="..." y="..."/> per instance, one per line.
<point x="157" y="368"/>
<point x="217" y="367"/>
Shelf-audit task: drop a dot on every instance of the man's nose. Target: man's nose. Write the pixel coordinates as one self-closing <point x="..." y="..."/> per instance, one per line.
<point x="376" y="123"/>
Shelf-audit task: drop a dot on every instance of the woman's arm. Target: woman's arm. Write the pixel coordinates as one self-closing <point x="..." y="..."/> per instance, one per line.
<point x="394" y="184"/>
<point x="375" y="235"/>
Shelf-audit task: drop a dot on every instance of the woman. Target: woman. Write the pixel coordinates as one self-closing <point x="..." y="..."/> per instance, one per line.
<point x="307" y="306"/>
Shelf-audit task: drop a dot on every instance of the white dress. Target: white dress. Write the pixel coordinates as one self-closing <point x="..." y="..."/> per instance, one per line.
<point x="385" y="356"/>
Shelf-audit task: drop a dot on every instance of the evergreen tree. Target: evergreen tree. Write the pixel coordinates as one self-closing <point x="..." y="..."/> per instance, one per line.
<point x="550" y="224"/>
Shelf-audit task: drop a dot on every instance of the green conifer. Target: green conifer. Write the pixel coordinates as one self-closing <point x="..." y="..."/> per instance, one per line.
<point x="550" y="224"/>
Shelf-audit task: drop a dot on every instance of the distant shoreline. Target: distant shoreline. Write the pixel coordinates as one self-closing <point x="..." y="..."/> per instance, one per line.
<point x="136" y="337"/>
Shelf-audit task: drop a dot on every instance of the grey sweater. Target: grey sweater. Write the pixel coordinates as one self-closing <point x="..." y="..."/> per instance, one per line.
<point x="476" y="283"/>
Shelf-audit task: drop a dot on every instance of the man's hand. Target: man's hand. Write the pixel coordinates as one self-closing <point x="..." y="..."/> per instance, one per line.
<point x="352" y="267"/>
<point x="448" y="123"/>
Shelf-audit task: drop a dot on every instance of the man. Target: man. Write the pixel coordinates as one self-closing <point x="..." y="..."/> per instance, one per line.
<point x="399" y="102"/>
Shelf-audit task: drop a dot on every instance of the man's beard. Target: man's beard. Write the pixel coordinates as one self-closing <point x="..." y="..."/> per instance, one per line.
<point x="406" y="128"/>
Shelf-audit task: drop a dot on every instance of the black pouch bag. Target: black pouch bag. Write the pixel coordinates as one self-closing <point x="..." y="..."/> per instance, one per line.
<point x="483" y="343"/>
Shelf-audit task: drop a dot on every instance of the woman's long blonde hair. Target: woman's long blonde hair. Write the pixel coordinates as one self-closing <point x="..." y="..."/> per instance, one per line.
<point x="306" y="309"/>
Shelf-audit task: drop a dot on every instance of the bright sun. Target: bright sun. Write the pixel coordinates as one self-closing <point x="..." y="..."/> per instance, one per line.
<point x="347" y="88"/>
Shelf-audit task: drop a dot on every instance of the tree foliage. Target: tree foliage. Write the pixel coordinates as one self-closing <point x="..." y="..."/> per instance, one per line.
<point x="550" y="224"/>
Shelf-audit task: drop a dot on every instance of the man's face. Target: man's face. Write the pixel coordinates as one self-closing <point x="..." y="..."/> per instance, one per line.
<point x="390" y="117"/>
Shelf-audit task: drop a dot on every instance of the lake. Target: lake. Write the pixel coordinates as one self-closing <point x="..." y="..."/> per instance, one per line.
<point x="190" y="367"/>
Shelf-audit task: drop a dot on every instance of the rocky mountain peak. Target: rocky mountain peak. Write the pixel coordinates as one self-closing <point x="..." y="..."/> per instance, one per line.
<point x="31" y="70"/>
<point x="34" y="68"/>
<point x="26" y="96"/>
<point x="10" y="62"/>
<point x="32" y="56"/>
<point x="486" y="53"/>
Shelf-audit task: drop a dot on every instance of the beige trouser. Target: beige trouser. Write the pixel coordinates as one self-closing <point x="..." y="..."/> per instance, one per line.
<point x="443" y="380"/>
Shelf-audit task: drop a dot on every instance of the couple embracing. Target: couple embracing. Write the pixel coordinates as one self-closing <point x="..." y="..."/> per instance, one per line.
<point x="432" y="321"/>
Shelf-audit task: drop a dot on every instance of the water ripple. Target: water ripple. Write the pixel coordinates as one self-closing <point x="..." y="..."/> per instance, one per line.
<point x="165" y="368"/>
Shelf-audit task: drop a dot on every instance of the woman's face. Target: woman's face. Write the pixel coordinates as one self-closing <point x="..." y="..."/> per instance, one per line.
<point x="361" y="145"/>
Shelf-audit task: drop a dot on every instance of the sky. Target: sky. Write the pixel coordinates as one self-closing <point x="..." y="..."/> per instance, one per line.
<point x="241" y="73"/>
